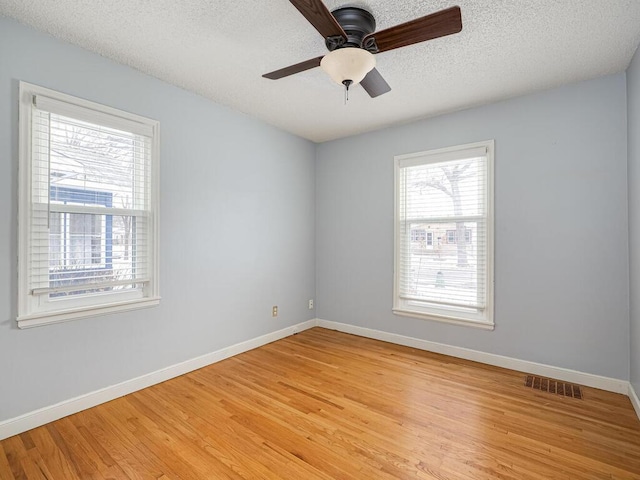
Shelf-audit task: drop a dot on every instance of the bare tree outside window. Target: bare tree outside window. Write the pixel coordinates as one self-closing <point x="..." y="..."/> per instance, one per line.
<point x="448" y="182"/>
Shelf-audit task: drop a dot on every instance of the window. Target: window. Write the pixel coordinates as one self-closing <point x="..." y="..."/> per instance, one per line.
<point x="430" y="238"/>
<point x="88" y="222"/>
<point x="450" y="192"/>
<point x="452" y="236"/>
<point x="418" y="235"/>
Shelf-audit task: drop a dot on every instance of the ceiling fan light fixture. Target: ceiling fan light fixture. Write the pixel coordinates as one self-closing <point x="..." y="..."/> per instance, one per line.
<point x="349" y="63"/>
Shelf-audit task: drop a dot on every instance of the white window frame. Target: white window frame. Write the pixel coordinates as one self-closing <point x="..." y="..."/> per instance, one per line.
<point x="448" y="314"/>
<point x="36" y="309"/>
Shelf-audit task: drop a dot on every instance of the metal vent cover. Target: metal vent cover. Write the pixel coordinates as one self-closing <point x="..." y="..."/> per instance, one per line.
<point x="553" y="386"/>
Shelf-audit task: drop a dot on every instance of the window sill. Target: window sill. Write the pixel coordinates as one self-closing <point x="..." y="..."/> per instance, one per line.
<point x="444" y="319"/>
<point x="47" y="318"/>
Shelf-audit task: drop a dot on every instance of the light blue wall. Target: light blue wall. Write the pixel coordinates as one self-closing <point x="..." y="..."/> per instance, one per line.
<point x="237" y="231"/>
<point x="633" y="118"/>
<point x="561" y="253"/>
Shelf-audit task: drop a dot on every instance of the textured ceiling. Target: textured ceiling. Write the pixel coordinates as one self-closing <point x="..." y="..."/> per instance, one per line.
<point x="220" y="49"/>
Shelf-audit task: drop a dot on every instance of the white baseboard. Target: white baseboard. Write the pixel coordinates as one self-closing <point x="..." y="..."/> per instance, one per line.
<point x="573" y="376"/>
<point x="48" y="414"/>
<point x="51" y="413"/>
<point x="635" y="401"/>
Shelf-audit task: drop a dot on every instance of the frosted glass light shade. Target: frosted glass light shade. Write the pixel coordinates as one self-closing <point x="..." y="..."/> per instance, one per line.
<point x="350" y="63"/>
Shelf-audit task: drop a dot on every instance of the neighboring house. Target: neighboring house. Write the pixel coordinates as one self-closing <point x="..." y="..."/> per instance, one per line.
<point x="81" y="244"/>
<point x="439" y="260"/>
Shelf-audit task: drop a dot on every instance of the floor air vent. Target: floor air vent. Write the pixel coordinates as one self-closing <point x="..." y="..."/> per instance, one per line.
<point x="553" y="386"/>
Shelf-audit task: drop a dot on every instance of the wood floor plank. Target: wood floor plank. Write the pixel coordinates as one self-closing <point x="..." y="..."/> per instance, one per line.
<point x="324" y="405"/>
<point x="124" y="453"/>
<point x="170" y="447"/>
<point x="15" y="453"/>
<point x="36" y="466"/>
<point x="5" y="468"/>
<point x="52" y="455"/>
<point x="242" y="454"/>
<point x="231" y="436"/>
<point x="74" y="450"/>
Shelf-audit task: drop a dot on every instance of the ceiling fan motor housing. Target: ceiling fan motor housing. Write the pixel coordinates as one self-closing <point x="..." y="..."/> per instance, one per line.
<point x="356" y="23"/>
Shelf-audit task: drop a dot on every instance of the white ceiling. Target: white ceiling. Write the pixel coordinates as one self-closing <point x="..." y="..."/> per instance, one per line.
<point x="220" y="49"/>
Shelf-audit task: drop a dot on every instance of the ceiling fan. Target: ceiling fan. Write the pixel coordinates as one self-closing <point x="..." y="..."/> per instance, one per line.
<point x="351" y="39"/>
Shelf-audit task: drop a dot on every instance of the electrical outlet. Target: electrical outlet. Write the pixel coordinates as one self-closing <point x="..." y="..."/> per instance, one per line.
<point x="311" y="304"/>
<point x="274" y="311"/>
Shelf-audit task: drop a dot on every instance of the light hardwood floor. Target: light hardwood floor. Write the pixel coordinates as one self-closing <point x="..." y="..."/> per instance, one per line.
<point x="323" y="405"/>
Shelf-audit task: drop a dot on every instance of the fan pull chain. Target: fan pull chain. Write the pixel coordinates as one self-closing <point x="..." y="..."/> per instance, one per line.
<point x="346" y="84"/>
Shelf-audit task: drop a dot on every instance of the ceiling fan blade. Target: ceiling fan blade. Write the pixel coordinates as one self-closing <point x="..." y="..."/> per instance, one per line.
<point x="439" y="24"/>
<point x="320" y="17"/>
<point x="291" y="69"/>
<point x="374" y="84"/>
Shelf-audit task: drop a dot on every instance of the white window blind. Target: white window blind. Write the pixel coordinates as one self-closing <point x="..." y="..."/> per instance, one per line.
<point x="91" y="212"/>
<point x="448" y="195"/>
